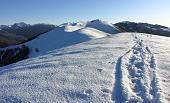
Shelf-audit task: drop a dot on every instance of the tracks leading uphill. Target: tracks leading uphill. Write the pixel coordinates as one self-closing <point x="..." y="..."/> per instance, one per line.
<point x="136" y="76"/>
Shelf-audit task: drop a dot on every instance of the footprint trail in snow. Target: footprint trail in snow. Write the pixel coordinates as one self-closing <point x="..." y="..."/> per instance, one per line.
<point x="136" y="76"/>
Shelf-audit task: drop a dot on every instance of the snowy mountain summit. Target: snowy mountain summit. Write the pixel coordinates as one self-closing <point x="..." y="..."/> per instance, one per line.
<point x="20" y="25"/>
<point x="90" y="62"/>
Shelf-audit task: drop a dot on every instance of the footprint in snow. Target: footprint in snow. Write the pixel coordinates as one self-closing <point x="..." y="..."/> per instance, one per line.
<point x="99" y="70"/>
<point x="106" y="91"/>
<point x="88" y="92"/>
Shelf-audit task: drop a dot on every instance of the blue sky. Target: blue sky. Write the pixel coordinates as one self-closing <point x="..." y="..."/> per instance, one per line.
<point x="61" y="11"/>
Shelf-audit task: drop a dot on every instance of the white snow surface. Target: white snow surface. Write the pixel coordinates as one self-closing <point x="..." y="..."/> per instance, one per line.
<point x="123" y="68"/>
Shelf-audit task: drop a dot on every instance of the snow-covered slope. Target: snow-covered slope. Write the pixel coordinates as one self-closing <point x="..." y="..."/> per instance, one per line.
<point x="102" y="26"/>
<point x="121" y="68"/>
<point x="69" y="34"/>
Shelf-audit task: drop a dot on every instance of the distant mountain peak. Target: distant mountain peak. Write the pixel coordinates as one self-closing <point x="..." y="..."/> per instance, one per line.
<point x="126" y="22"/>
<point x="20" y="24"/>
<point x="3" y="26"/>
<point x="96" y="20"/>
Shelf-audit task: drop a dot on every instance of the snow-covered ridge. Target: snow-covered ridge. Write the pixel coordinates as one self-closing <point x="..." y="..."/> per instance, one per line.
<point x="70" y="27"/>
<point x="95" y="24"/>
<point x="103" y="26"/>
<point x="69" y="34"/>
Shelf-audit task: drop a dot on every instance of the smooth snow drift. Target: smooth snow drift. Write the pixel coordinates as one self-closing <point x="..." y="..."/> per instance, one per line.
<point x="125" y="67"/>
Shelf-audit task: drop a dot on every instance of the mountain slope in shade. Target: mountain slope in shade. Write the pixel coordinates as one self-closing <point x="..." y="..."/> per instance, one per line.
<point x="143" y="28"/>
<point x="21" y="32"/>
<point x="7" y="38"/>
<point x="126" y="67"/>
